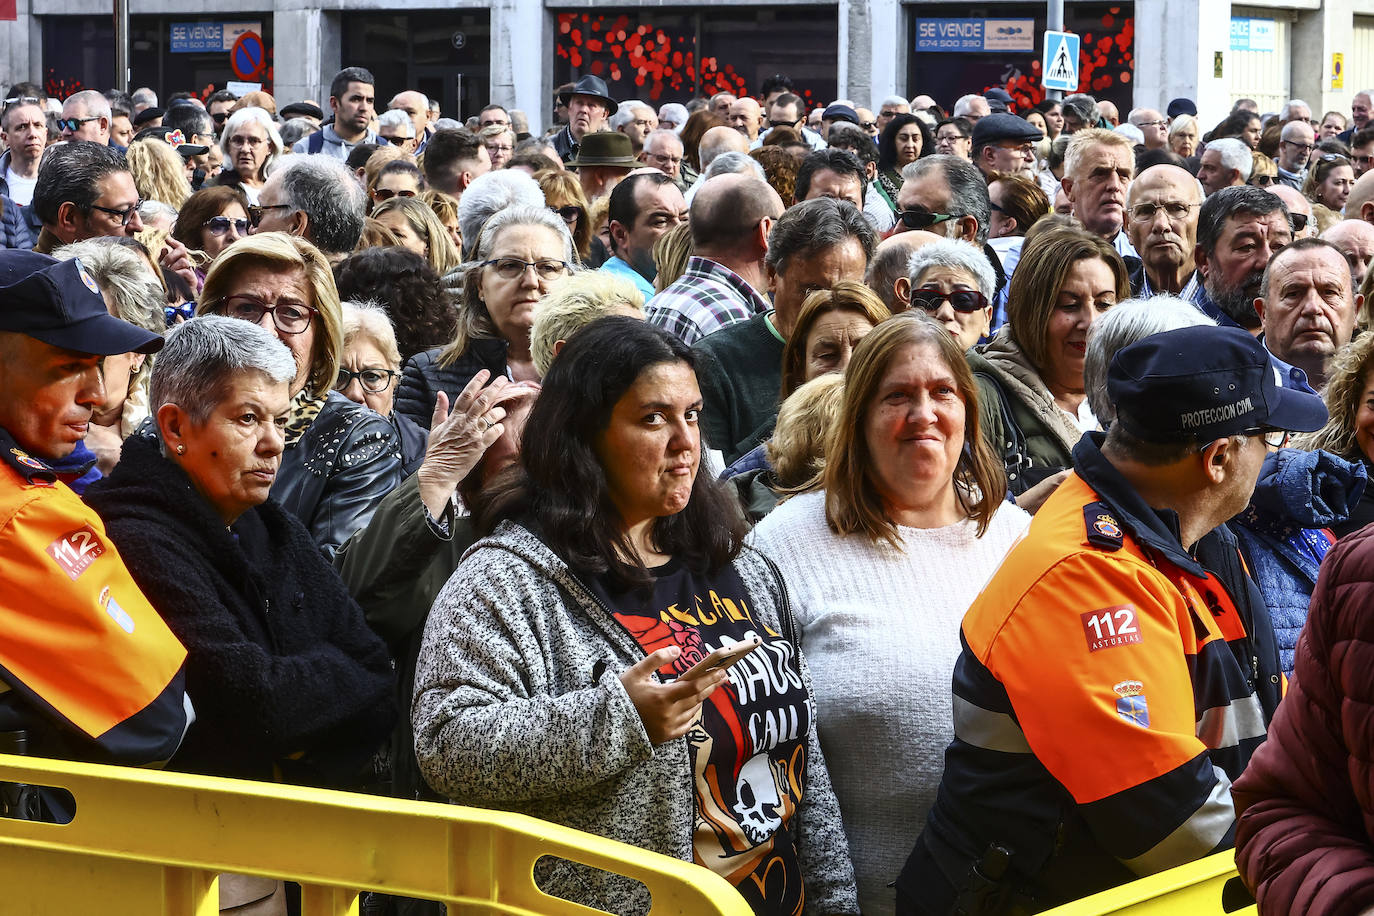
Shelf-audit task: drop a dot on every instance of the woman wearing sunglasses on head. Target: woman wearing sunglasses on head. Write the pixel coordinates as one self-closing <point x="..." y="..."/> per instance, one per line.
<point x="210" y="221"/>
<point x="563" y="194"/>
<point x="397" y="178"/>
<point x="1030" y="374"/>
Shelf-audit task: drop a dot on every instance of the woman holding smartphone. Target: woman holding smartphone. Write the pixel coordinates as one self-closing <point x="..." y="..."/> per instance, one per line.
<point x="556" y="679"/>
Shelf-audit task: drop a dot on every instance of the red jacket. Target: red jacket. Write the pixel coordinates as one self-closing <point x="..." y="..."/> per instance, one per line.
<point x="1306" y="802"/>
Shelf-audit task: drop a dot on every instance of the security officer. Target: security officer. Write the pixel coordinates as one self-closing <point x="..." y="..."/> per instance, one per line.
<point x="1120" y="667"/>
<point x="87" y="667"/>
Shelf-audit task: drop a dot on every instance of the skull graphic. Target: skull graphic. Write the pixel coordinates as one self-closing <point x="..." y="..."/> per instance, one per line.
<point x="757" y="800"/>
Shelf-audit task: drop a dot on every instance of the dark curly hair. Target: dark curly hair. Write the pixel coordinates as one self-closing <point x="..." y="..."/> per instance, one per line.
<point x="403" y="281"/>
<point x="559" y="488"/>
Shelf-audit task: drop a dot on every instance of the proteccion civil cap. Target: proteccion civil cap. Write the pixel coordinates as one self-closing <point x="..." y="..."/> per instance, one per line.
<point x="1203" y="383"/>
<point x="59" y="303"/>
<point x="996" y="127"/>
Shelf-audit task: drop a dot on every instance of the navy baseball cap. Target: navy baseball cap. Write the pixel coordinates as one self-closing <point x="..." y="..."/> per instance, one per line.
<point x="59" y="303"/>
<point x="999" y="100"/>
<point x="1181" y="107"/>
<point x="1203" y="383"/>
<point x="840" y="113"/>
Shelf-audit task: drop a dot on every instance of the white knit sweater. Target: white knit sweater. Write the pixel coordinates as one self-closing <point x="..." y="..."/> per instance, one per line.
<point x="880" y="629"/>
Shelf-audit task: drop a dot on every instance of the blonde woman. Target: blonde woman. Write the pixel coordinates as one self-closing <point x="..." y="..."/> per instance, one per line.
<point x="159" y="172"/>
<point x="417" y="228"/>
<point x="573" y="303"/>
<point x="563" y="195"/>
<point x="445" y="207"/>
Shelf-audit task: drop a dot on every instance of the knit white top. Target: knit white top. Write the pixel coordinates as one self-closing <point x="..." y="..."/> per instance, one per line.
<point x="880" y="630"/>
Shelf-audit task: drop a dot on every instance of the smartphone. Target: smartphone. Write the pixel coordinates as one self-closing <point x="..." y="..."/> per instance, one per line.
<point x="721" y="658"/>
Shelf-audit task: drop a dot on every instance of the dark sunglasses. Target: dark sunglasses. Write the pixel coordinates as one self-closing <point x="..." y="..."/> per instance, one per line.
<point x="1263" y="181"/>
<point x="387" y="193"/>
<point x="920" y="219"/>
<point x="397" y="141"/>
<point x="73" y="124"/>
<point x="1299" y="221"/>
<point x="220" y="117"/>
<point x="218" y="225"/>
<point x="772" y="123"/>
<point x="869" y="125"/>
<point x="963" y="300"/>
<point x="568" y="211"/>
<point x="255" y="212"/>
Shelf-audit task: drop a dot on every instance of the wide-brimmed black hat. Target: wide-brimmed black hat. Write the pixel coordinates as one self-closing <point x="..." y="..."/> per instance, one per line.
<point x="605" y="148"/>
<point x="593" y="86"/>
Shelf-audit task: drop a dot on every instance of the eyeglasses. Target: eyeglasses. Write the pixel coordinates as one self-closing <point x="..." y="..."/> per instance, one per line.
<point x="1306" y="148"/>
<point x="374" y="381"/>
<point x="255" y="212"/>
<point x="646" y="125"/>
<point x="664" y="160"/>
<point x="396" y="141"/>
<point x="1160" y="123"/>
<point x="963" y="300"/>
<point x="123" y="215"/>
<point x="1362" y="160"/>
<point x="1273" y="438"/>
<point x="1333" y="157"/>
<point x="949" y="138"/>
<point x="514" y="268"/>
<point x="1299" y="221"/>
<point x="73" y="124"/>
<point x="289" y="317"/>
<point x="500" y="148"/>
<point x="920" y="219"/>
<point x="218" y="225"/>
<point x="569" y="212"/>
<point x="1263" y="181"/>
<point x="1175" y="209"/>
<point x="387" y="193"/>
<point x="246" y="140"/>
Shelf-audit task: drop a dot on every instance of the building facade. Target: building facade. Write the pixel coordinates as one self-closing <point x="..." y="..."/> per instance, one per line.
<point x="515" y="52"/>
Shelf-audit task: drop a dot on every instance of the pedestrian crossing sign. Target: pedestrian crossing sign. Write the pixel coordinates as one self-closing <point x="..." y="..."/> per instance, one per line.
<point x="1059" y="67"/>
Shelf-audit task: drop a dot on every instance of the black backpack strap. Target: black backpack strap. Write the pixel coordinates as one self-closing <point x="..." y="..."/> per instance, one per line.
<point x="1015" y="453"/>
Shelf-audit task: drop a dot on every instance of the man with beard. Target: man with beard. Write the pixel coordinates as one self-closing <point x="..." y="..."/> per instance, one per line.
<point x="1239" y="229"/>
<point x="351" y="98"/>
<point x="1162" y="214"/>
<point x="642" y="208"/>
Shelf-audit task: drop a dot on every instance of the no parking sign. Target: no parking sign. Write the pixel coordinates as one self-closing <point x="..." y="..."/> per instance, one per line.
<point x="248" y="57"/>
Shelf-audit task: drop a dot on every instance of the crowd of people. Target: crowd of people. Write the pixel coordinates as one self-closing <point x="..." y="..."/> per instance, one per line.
<point x="892" y="509"/>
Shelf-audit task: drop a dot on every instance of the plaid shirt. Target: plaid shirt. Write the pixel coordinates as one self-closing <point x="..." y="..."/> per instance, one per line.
<point x="707" y="297"/>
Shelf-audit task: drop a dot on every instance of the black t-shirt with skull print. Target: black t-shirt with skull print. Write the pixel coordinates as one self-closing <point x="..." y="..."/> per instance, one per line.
<point x="748" y="747"/>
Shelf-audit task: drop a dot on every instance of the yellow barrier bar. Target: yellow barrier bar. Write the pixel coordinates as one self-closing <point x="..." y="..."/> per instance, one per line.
<point x="1194" y="889"/>
<point x="147" y="842"/>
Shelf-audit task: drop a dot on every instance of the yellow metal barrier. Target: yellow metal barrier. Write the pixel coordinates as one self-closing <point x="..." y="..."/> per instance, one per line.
<point x="145" y="842"/>
<point x="1194" y="889"/>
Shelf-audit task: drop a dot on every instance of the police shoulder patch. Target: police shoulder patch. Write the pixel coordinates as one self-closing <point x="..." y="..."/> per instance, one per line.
<point x="1101" y="527"/>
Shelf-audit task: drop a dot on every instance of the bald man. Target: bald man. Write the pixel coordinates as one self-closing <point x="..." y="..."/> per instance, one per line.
<point x="887" y="274"/>
<point x="416" y="105"/>
<point x="745" y="116"/>
<point x="1360" y="203"/>
<point x="1355" y="239"/>
<point x="1299" y="211"/>
<point x="731" y="216"/>
<point x="86" y="116"/>
<point x="1161" y="220"/>
<point x="719" y="140"/>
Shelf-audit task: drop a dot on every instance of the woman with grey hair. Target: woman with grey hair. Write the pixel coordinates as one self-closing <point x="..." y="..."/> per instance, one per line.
<point x="289" y="682"/>
<point x="521" y="252"/>
<point x="951" y="282"/>
<point x="133" y="293"/>
<point x="490" y="194"/>
<point x="1132" y="320"/>
<point x="251" y="147"/>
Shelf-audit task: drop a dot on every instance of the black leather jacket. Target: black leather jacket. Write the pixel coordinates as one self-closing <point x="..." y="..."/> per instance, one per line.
<point x="423" y="378"/>
<point x="334" y="476"/>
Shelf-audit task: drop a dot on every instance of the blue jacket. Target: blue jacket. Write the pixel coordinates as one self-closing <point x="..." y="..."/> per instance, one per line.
<point x="14" y="230"/>
<point x="1282" y="534"/>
